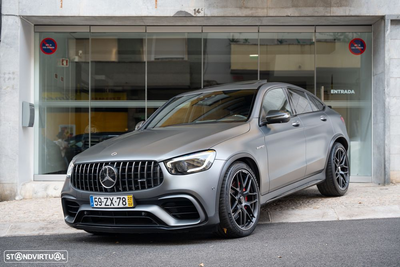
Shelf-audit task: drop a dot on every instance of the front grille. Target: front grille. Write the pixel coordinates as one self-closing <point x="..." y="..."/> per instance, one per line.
<point x="180" y="208"/>
<point x="120" y="218"/>
<point x="132" y="176"/>
<point x="71" y="207"/>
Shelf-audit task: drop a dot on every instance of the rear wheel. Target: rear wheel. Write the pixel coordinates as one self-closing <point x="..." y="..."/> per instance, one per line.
<point x="337" y="173"/>
<point x="239" y="207"/>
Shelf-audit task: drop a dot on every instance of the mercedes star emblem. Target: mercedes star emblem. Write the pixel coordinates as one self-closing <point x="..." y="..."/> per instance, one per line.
<point x="108" y="176"/>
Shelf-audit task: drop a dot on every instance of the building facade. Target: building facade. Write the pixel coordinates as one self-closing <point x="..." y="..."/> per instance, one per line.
<point x="94" y="69"/>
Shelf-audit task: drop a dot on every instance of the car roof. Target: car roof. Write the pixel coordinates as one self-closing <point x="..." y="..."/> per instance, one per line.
<point x="231" y="86"/>
<point x="246" y="85"/>
<point x="254" y="84"/>
<point x="281" y="84"/>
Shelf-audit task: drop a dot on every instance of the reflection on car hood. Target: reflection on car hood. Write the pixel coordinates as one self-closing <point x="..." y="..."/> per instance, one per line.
<point x="163" y="143"/>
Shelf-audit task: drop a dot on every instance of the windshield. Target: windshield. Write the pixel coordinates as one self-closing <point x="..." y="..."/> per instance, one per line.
<point x="217" y="106"/>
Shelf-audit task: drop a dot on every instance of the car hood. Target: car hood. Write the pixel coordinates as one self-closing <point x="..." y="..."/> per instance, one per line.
<point x="163" y="143"/>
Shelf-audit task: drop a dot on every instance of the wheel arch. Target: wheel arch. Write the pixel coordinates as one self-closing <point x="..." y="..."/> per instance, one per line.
<point x="343" y="141"/>
<point x="253" y="166"/>
<point x="336" y="139"/>
<point x="243" y="157"/>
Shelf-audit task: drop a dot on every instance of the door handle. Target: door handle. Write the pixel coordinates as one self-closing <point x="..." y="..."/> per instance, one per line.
<point x="296" y="124"/>
<point x="323" y="118"/>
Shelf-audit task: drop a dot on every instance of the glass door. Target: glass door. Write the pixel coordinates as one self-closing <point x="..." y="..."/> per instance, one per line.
<point x="344" y="81"/>
<point x="63" y="96"/>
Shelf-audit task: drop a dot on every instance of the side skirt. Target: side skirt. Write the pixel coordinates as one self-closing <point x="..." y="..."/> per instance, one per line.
<point x="287" y="190"/>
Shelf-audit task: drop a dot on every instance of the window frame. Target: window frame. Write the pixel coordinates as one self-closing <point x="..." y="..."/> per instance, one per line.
<point x="305" y="96"/>
<point x="311" y="96"/>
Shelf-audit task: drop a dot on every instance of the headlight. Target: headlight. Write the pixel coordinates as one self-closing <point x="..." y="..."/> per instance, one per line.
<point x="192" y="163"/>
<point x="70" y="167"/>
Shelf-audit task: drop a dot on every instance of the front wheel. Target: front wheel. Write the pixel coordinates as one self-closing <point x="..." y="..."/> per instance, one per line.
<point x="337" y="173"/>
<point x="239" y="203"/>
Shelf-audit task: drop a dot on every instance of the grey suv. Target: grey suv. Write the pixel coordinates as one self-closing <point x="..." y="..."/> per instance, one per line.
<point x="209" y="158"/>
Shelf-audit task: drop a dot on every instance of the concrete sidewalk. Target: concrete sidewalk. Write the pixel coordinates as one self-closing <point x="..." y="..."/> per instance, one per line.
<point x="363" y="201"/>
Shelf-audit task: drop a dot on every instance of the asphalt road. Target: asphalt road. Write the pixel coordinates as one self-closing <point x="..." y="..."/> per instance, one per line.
<point x="337" y="243"/>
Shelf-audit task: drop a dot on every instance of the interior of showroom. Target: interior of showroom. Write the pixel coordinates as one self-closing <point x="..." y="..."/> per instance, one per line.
<point x="96" y="82"/>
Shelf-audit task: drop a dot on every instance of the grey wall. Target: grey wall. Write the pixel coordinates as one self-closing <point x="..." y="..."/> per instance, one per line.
<point x="26" y="92"/>
<point x="393" y="99"/>
<point x="206" y="7"/>
<point x="380" y="142"/>
<point x="9" y="97"/>
<point x="16" y="85"/>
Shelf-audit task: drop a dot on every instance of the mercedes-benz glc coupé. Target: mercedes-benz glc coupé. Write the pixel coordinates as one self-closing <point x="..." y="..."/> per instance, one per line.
<point x="208" y="159"/>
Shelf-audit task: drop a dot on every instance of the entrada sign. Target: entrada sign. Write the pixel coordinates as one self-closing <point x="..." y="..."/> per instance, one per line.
<point x="342" y="92"/>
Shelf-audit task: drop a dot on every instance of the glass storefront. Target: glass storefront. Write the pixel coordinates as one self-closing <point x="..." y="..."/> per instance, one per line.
<point x="117" y="88"/>
<point x="173" y="66"/>
<point x="230" y="57"/>
<point x="100" y="84"/>
<point x="344" y="81"/>
<point x="288" y="56"/>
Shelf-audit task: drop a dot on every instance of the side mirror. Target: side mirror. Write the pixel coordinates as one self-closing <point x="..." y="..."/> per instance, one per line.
<point x="139" y="125"/>
<point x="277" y="116"/>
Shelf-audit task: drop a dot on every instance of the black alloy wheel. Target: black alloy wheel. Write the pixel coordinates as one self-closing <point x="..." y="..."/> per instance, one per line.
<point x="239" y="202"/>
<point x="341" y="168"/>
<point x="337" y="173"/>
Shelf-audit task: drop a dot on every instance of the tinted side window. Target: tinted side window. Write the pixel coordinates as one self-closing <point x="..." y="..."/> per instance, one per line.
<point x="275" y="99"/>
<point x="315" y="103"/>
<point x="300" y="101"/>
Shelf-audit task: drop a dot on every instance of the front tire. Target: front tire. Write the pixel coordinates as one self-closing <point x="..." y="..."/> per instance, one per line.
<point x="239" y="203"/>
<point x="337" y="173"/>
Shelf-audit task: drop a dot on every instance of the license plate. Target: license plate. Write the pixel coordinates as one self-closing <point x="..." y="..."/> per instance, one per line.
<point x="112" y="202"/>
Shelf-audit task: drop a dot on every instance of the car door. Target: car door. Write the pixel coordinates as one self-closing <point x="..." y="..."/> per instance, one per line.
<point x="284" y="142"/>
<point x="317" y="128"/>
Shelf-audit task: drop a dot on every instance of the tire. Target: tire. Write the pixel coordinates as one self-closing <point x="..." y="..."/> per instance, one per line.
<point x="239" y="203"/>
<point x="337" y="173"/>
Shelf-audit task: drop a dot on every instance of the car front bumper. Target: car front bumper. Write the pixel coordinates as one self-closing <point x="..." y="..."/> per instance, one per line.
<point x="179" y="202"/>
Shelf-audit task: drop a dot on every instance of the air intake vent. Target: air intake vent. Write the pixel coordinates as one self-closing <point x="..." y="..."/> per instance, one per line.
<point x="120" y="218"/>
<point x="71" y="207"/>
<point x="180" y="208"/>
